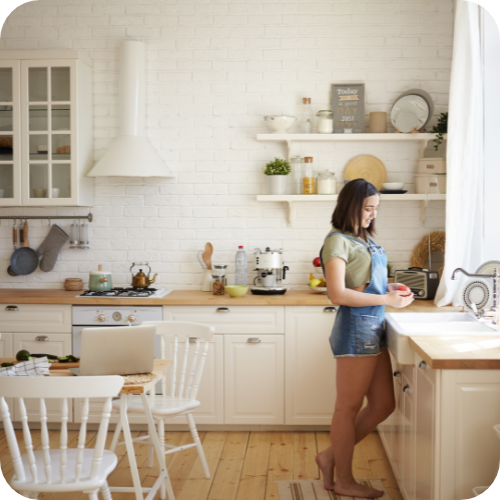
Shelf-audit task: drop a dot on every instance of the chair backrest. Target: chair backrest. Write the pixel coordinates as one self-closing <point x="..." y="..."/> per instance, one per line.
<point x="188" y="362"/>
<point x="62" y="388"/>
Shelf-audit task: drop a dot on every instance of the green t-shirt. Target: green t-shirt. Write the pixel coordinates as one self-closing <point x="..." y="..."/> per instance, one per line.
<point x="356" y="255"/>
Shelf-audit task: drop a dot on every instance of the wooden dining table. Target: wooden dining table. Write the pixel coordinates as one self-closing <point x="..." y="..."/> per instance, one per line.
<point x="127" y="391"/>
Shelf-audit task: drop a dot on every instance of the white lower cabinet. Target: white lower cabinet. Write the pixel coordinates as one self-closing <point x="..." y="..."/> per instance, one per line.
<point x="408" y="434"/>
<point x="254" y="379"/>
<point x="6" y="345"/>
<point x="310" y="366"/>
<point x="58" y="344"/>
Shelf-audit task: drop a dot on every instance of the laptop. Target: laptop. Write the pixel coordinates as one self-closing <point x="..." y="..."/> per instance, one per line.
<point x="122" y="350"/>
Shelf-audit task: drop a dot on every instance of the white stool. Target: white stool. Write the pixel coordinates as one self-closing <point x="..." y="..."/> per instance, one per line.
<point x="479" y="490"/>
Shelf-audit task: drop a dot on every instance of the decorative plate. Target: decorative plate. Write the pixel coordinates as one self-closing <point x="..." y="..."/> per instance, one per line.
<point x="477" y="290"/>
<point x="318" y="289"/>
<point x="425" y="95"/>
<point x="366" y="167"/>
<point x="488" y="267"/>
<point x="409" y="112"/>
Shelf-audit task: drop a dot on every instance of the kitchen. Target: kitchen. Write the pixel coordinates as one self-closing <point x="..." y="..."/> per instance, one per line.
<point x="212" y="73"/>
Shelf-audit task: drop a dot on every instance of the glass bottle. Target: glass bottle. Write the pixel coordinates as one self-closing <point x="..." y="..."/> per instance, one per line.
<point x="326" y="183"/>
<point x="240" y="277"/>
<point x="296" y="164"/>
<point x="306" y="125"/>
<point x="325" y="121"/>
<point x="308" y="179"/>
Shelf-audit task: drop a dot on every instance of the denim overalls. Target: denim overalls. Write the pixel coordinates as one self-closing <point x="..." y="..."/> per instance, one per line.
<point x="360" y="331"/>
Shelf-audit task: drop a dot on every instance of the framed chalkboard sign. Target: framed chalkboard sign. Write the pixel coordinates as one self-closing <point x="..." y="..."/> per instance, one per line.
<point x="348" y="105"/>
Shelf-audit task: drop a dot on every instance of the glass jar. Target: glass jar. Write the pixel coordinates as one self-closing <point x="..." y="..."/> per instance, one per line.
<point x="306" y="124"/>
<point x="326" y="183"/>
<point x="296" y="164"/>
<point x="308" y="179"/>
<point x="218" y="283"/>
<point x="325" y="121"/>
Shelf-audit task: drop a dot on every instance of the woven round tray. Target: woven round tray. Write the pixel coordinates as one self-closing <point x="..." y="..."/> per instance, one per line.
<point x="140" y="378"/>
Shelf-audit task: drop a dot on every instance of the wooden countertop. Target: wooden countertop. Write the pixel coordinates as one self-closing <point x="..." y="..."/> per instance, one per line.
<point x="194" y="297"/>
<point x="459" y="352"/>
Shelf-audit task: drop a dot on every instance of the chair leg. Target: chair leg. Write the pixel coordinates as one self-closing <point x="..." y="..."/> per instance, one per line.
<point x="161" y="438"/>
<point x="151" y="451"/>
<point x="116" y="436"/>
<point x="106" y="494"/>
<point x="92" y="494"/>
<point x="199" y="446"/>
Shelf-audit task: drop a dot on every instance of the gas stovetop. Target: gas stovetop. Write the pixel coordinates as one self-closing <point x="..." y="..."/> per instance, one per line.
<point x="128" y="293"/>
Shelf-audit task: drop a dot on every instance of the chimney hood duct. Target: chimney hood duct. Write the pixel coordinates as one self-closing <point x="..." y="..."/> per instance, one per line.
<point x="131" y="155"/>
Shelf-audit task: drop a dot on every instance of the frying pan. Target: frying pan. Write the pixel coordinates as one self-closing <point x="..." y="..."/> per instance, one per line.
<point x="24" y="260"/>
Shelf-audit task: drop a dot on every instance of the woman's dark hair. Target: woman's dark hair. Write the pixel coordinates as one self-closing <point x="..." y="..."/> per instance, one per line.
<point x="349" y="210"/>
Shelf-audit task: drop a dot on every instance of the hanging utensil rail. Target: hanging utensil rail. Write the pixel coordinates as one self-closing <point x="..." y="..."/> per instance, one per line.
<point x="89" y="217"/>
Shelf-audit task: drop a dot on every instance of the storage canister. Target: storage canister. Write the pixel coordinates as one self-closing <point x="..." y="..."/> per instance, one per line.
<point x="325" y="121"/>
<point x="326" y="183"/>
<point x="308" y="179"/>
<point x="431" y="166"/>
<point x="429" y="184"/>
<point x="218" y="284"/>
<point x="296" y="164"/>
<point x="100" y="281"/>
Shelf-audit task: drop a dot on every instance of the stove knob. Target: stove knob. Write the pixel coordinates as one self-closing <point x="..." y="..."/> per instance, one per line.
<point x="131" y="318"/>
<point x="101" y="318"/>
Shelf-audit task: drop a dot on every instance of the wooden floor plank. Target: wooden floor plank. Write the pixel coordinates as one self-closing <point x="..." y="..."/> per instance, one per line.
<point x="360" y="464"/>
<point x="304" y="451"/>
<point x="280" y="462"/>
<point x="254" y="475"/>
<point x="227" y="477"/>
<point x="377" y="459"/>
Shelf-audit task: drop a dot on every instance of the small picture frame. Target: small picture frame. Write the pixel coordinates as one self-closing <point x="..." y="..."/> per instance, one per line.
<point x="348" y="105"/>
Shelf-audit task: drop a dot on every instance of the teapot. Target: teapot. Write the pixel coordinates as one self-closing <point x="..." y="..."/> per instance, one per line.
<point x="140" y="280"/>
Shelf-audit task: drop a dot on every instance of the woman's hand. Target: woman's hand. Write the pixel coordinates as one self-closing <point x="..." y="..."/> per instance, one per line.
<point x="398" y="299"/>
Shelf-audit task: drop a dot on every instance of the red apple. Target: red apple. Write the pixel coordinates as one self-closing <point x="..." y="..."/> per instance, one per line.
<point x="404" y="288"/>
<point x="317" y="262"/>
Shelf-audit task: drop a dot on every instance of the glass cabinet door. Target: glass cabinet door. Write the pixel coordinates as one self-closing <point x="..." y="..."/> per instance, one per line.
<point x="9" y="134"/>
<point x="48" y="132"/>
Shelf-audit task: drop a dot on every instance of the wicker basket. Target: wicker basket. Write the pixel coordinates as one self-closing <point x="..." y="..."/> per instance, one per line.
<point x="73" y="284"/>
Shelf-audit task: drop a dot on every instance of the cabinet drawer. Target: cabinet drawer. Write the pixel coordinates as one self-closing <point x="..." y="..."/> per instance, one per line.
<point x="231" y="319"/>
<point x="43" y="318"/>
<point x="57" y="344"/>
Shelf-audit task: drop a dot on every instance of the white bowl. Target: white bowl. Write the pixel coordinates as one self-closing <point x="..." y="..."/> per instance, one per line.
<point x="393" y="186"/>
<point x="279" y="124"/>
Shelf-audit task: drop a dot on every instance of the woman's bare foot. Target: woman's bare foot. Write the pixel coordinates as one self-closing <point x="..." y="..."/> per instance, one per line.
<point x="354" y="489"/>
<point x="326" y="465"/>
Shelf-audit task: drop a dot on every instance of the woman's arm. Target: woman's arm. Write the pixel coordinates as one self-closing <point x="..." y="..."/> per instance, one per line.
<point x="339" y="294"/>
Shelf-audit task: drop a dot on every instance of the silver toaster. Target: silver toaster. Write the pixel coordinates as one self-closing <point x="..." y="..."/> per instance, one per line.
<point x="423" y="283"/>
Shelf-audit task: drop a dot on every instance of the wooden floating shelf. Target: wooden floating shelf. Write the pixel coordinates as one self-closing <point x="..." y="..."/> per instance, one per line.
<point x="293" y="199"/>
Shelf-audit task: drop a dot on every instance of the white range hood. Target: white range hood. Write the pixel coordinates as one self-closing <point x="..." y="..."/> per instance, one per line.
<point x="131" y="154"/>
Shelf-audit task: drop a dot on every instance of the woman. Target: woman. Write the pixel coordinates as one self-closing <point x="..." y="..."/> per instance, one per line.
<point x="355" y="269"/>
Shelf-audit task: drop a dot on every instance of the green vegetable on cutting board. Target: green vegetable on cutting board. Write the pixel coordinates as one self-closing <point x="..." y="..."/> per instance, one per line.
<point x="23" y="355"/>
<point x="5" y="365"/>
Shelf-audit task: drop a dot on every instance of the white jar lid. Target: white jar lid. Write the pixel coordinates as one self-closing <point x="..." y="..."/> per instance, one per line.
<point x="99" y="273"/>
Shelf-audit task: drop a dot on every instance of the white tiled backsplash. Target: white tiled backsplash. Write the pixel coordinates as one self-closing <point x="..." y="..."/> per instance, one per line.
<point x="214" y="70"/>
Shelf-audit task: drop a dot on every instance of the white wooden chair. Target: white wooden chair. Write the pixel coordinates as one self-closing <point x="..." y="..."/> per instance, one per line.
<point x="60" y="470"/>
<point x="179" y="387"/>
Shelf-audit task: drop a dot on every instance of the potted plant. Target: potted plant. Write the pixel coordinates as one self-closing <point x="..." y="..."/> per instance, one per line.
<point x="440" y="129"/>
<point x="277" y="171"/>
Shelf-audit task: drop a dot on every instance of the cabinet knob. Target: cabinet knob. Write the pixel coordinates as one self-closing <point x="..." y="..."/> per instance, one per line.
<point x="397" y="373"/>
<point x="131" y="318"/>
<point x="42" y="338"/>
<point x="101" y="318"/>
<point x="329" y="309"/>
<point x="12" y="308"/>
<point x="222" y="310"/>
<point x="407" y="389"/>
<point x="253" y="340"/>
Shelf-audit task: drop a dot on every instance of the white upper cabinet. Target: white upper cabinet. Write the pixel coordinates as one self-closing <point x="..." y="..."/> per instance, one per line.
<point x="45" y="129"/>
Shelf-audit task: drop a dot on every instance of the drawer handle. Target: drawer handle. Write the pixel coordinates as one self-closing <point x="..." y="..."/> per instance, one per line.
<point x="407" y="389"/>
<point x="222" y="310"/>
<point x="12" y="308"/>
<point x="422" y="365"/>
<point x="193" y="340"/>
<point x="329" y="309"/>
<point x="42" y="338"/>
<point x="253" y="340"/>
<point x="397" y="373"/>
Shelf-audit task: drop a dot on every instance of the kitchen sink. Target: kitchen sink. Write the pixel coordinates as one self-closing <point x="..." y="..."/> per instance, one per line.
<point x="400" y="326"/>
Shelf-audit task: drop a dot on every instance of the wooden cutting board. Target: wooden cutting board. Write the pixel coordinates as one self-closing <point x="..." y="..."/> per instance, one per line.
<point x="53" y="366"/>
<point x="366" y="167"/>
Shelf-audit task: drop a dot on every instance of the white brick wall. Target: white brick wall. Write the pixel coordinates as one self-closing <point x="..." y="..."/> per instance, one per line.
<point x="214" y="70"/>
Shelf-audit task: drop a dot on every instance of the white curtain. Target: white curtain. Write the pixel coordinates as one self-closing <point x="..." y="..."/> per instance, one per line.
<point x="464" y="200"/>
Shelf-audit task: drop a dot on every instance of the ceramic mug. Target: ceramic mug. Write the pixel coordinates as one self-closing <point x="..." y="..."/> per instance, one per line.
<point x="268" y="281"/>
<point x="40" y="193"/>
<point x="55" y="192"/>
<point x="1" y="193"/>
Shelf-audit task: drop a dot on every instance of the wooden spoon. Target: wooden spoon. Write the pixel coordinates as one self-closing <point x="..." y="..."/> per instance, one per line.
<point x="207" y="255"/>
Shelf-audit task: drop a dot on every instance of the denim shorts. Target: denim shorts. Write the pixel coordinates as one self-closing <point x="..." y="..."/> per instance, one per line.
<point x="357" y="334"/>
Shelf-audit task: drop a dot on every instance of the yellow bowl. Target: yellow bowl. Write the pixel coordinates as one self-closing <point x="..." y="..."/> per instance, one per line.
<point x="236" y="290"/>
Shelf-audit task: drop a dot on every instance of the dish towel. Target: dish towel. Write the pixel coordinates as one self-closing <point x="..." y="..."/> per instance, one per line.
<point x="49" y="250"/>
<point x="36" y="367"/>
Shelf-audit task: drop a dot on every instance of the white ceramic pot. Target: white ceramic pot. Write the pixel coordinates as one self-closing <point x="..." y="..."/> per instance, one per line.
<point x="277" y="184"/>
<point x="430" y="184"/>
<point x="431" y="166"/>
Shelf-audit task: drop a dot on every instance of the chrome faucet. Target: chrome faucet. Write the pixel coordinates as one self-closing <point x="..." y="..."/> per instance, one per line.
<point x="496" y="284"/>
